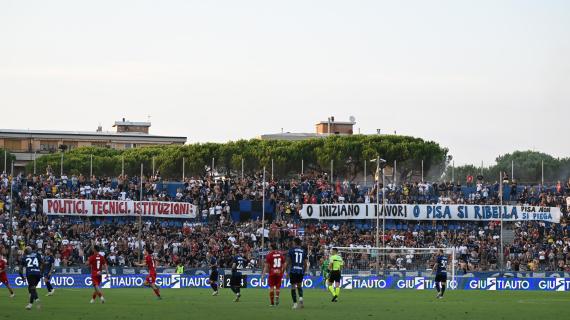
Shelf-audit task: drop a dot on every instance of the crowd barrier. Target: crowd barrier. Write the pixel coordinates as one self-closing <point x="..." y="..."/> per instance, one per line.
<point x="349" y="282"/>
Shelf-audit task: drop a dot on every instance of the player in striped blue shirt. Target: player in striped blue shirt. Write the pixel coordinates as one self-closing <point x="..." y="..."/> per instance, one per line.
<point x="238" y="264"/>
<point x="32" y="263"/>
<point x="440" y="268"/>
<point x="48" y="271"/>
<point x="298" y="263"/>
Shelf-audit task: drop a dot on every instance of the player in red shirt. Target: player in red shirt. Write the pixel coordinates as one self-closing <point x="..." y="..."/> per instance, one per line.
<point x="4" y="277"/>
<point x="151" y="278"/>
<point x="275" y="265"/>
<point x="98" y="263"/>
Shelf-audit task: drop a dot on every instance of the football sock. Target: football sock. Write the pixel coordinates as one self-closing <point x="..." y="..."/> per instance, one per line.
<point x="95" y="294"/>
<point x="437" y="287"/>
<point x="442" y="290"/>
<point x="157" y="292"/>
<point x="337" y="291"/>
<point x="32" y="297"/>
<point x="271" y="296"/>
<point x="49" y="286"/>
<point x="294" y="295"/>
<point x="300" y="292"/>
<point x="100" y="294"/>
<point x="277" y="292"/>
<point x="331" y="289"/>
<point x="214" y="286"/>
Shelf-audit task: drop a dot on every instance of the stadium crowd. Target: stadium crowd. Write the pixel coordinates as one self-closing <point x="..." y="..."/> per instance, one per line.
<point x="536" y="246"/>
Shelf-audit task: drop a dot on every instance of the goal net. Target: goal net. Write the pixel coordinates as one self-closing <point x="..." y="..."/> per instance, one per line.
<point x="370" y="261"/>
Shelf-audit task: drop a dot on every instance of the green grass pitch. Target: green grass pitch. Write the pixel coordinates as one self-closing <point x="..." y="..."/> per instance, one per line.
<point x="141" y="304"/>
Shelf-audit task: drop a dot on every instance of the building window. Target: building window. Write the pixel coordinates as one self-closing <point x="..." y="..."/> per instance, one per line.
<point x="13" y="144"/>
<point x="48" y="146"/>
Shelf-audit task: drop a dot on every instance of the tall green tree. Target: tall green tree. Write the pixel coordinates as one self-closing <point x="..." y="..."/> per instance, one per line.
<point x="348" y="154"/>
<point x="527" y="167"/>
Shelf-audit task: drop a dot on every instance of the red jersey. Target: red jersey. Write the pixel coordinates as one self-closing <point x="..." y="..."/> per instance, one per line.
<point x="97" y="262"/>
<point x="150" y="264"/>
<point x="276" y="262"/>
<point x="2" y="266"/>
<point x="3" y="275"/>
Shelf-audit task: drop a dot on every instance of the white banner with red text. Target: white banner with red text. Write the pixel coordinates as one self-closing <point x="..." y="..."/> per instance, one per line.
<point x="119" y="208"/>
<point x="434" y="212"/>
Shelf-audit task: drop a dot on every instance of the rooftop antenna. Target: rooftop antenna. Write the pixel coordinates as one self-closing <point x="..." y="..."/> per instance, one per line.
<point x="352" y="119"/>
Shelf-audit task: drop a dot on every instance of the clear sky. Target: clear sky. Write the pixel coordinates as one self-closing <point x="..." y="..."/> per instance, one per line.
<point x="480" y="77"/>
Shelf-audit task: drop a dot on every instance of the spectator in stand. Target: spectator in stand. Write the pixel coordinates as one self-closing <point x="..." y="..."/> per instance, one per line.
<point x="537" y="245"/>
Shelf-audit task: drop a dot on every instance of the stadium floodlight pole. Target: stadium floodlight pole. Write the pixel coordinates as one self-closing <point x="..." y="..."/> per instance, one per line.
<point x="512" y="169"/>
<point x="380" y="210"/>
<point x="263" y="211"/>
<point x="140" y="214"/>
<point x="542" y="175"/>
<point x="183" y="169"/>
<point x="5" y="159"/>
<point x="394" y="172"/>
<point x="384" y="213"/>
<point x="242" y="161"/>
<point x="271" y="169"/>
<point x="332" y="173"/>
<point x="61" y="165"/>
<point x="11" y="222"/>
<point x="302" y="166"/>
<point x="34" y="162"/>
<point x="153" y="165"/>
<point x="422" y="171"/>
<point x="377" y="177"/>
<point x="91" y="166"/>
<point x="501" y="253"/>
<point x="364" y="174"/>
<point x="453" y="171"/>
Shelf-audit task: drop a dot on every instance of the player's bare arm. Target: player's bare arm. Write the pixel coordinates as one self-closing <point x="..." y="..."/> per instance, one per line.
<point x="21" y="270"/>
<point x="265" y="269"/>
<point x="287" y="264"/>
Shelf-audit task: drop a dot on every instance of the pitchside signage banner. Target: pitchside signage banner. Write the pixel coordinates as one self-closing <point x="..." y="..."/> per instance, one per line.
<point x="118" y="208"/>
<point x="347" y="211"/>
<point x="177" y="281"/>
